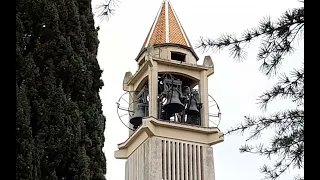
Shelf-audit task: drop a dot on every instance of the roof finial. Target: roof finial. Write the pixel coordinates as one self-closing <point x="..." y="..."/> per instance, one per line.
<point x="167" y="20"/>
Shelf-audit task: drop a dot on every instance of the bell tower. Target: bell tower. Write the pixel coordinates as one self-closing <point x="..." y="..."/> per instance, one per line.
<point x="170" y="137"/>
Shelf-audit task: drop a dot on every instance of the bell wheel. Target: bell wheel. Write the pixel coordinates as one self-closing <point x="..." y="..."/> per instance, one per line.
<point x="123" y="108"/>
<point x="214" y="112"/>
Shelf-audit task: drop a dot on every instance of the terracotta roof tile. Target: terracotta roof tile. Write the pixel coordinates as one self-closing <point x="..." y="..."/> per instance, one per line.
<point x="161" y="34"/>
<point x="175" y="33"/>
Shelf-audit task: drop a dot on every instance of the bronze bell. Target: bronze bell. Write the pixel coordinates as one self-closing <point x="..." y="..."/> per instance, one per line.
<point x="139" y="113"/>
<point x="192" y="110"/>
<point x="173" y="104"/>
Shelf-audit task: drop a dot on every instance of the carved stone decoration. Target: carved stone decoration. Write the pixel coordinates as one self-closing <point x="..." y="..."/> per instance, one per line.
<point x="125" y="81"/>
<point x="207" y="62"/>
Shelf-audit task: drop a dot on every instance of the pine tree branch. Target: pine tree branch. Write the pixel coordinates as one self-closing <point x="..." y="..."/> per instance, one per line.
<point x="107" y="9"/>
<point x="286" y="87"/>
<point x="287" y="48"/>
<point x="277" y="37"/>
<point x="261" y="123"/>
<point x="287" y="143"/>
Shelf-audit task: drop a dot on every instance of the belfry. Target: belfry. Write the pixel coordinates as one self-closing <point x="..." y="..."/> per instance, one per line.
<point x="170" y="137"/>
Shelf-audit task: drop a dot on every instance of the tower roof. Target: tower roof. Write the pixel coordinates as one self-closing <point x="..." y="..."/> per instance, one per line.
<point x="166" y="28"/>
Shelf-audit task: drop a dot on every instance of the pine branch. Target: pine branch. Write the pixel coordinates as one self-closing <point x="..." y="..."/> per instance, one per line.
<point x="286" y="88"/>
<point x="106" y="9"/>
<point x="287" y="143"/>
<point x="273" y="121"/>
<point x="277" y="39"/>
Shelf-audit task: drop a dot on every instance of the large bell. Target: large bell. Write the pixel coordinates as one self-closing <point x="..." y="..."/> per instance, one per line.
<point x="139" y="113"/>
<point x="192" y="110"/>
<point x="173" y="104"/>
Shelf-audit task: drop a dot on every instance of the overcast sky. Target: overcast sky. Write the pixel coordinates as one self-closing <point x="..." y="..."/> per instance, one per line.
<point x="235" y="86"/>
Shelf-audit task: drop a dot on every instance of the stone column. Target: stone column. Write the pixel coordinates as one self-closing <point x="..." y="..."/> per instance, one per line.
<point x="132" y="104"/>
<point x="153" y="88"/>
<point x="203" y="89"/>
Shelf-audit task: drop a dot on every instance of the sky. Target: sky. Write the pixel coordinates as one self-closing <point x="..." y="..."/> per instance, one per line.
<point x="234" y="85"/>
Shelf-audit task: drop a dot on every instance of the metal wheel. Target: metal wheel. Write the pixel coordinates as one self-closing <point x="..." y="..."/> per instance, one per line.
<point x="123" y="110"/>
<point x="214" y="112"/>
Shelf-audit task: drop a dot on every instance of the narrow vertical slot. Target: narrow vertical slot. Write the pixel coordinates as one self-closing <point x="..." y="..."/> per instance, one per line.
<point x="164" y="159"/>
<point x="190" y="163"/>
<point x="173" y="162"/>
<point x="178" y="160"/>
<point x="169" y="160"/>
<point x="199" y="162"/>
<point x="182" y="160"/>
<point x="194" y="157"/>
<point x="186" y="172"/>
<point x="137" y="163"/>
<point x="130" y="168"/>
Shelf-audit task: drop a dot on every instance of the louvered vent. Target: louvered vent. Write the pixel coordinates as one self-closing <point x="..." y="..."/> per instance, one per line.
<point x="181" y="161"/>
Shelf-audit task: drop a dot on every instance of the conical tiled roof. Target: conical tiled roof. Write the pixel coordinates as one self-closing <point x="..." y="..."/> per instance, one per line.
<point x="166" y="28"/>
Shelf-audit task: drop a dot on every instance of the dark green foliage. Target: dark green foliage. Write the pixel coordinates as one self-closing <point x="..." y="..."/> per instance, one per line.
<point x="278" y="38"/>
<point x="59" y="117"/>
<point x="24" y="142"/>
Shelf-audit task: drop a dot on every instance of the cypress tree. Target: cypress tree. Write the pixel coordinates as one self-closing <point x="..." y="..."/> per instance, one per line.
<point x="59" y="117"/>
<point x="24" y="140"/>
